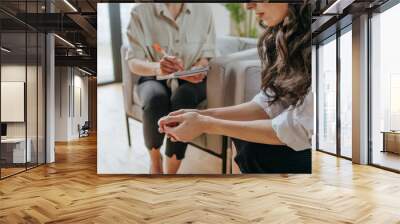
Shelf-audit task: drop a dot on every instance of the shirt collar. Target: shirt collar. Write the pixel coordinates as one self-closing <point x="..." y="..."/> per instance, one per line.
<point x="161" y="7"/>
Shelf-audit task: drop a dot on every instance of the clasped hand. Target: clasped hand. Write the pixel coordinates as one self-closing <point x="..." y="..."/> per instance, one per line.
<point x="182" y="125"/>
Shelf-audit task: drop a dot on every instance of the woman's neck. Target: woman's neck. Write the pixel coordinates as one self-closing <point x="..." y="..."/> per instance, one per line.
<point x="175" y="9"/>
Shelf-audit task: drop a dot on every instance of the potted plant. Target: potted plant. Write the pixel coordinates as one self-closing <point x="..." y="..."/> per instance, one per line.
<point x="244" y="21"/>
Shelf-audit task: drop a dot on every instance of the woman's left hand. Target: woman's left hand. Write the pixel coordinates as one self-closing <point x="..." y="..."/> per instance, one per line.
<point x="200" y="76"/>
<point x="183" y="127"/>
<point x="194" y="78"/>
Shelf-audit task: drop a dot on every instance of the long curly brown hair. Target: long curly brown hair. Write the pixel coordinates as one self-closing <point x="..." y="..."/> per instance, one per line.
<point x="285" y="53"/>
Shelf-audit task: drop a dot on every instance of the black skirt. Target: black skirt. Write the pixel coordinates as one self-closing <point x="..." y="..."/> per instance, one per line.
<point x="261" y="158"/>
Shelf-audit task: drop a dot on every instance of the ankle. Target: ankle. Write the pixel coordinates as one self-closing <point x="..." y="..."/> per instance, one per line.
<point x="156" y="164"/>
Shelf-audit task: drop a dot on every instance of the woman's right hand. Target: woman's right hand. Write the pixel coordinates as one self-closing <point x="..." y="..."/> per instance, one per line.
<point x="170" y="64"/>
<point x="183" y="111"/>
<point x="176" y="113"/>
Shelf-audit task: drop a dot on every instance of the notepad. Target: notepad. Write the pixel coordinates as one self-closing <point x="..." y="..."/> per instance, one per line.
<point x="186" y="73"/>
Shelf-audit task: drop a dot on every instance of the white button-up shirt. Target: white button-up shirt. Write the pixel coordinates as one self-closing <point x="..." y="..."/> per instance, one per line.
<point x="293" y="124"/>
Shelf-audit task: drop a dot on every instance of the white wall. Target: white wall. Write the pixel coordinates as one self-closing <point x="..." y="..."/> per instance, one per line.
<point x="33" y="126"/>
<point x="12" y="73"/>
<point x="62" y="81"/>
<point x="221" y="19"/>
<point x="69" y="82"/>
<point x="79" y="117"/>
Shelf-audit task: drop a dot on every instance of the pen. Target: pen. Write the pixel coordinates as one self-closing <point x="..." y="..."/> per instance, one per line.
<point x="159" y="49"/>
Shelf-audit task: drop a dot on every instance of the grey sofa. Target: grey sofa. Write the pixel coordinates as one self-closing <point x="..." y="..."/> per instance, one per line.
<point x="234" y="78"/>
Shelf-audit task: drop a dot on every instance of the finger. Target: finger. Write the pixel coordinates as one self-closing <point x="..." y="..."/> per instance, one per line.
<point x="161" y="129"/>
<point x="167" y="70"/>
<point x="177" y="112"/>
<point x="170" y="119"/>
<point x="185" y="78"/>
<point x="167" y="61"/>
<point x="171" y="138"/>
<point x="171" y="59"/>
<point x="167" y="66"/>
<point x="179" y="67"/>
<point x="201" y="77"/>
<point x="176" y="62"/>
<point x="170" y="134"/>
<point x="180" y="64"/>
<point x="191" y="80"/>
<point x="161" y="122"/>
<point x="197" y="79"/>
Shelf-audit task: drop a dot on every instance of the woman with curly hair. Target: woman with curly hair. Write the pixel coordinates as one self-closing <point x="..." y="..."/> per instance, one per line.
<point x="272" y="133"/>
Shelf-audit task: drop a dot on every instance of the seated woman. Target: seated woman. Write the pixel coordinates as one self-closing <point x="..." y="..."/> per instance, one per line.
<point x="275" y="128"/>
<point x="165" y="38"/>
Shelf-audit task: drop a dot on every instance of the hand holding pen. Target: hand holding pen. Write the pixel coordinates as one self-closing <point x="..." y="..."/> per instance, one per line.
<point x="168" y="64"/>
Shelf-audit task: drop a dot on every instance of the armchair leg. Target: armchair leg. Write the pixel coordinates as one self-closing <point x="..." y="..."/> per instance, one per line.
<point x="127" y="128"/>
<point x="224" y="153"/>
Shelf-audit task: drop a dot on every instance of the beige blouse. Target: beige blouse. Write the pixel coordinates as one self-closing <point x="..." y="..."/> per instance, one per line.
<point x="190" y="37"/>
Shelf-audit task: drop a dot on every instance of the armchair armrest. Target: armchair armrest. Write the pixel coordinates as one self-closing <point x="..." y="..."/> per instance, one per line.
<point x="233" y="79"/>
<point x="227" y="45"/>
<point x="128" y="82"/>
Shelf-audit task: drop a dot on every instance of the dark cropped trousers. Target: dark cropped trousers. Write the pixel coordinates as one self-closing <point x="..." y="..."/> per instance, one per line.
<point x="158" y="101"/>
<point x="261" y="158"/>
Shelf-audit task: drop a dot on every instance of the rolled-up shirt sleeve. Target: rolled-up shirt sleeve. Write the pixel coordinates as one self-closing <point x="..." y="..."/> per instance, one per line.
<point x="294" y="126"/>
<point x="136" y="38"/>
<point x="209" y="45"/>
<point x="272" y="110"/>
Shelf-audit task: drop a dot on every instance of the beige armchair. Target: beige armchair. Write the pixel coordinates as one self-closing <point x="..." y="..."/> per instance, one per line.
<point x="234" y="78"/>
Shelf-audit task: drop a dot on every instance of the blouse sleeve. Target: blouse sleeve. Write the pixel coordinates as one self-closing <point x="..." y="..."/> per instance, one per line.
<point x="209" y="46"/>
<point x="136" y="38"/>
<point x="294" y="126"/>
<point x="272" y="110"/>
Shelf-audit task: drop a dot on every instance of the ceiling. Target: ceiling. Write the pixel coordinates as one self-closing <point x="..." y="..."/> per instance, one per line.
<point x="74" y="21"/>
<point x="333" y="15"/>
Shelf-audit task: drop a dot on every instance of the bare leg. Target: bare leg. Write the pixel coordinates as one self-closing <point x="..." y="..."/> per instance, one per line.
<point x="173" y="165"/>
<point x="156" y="166"/>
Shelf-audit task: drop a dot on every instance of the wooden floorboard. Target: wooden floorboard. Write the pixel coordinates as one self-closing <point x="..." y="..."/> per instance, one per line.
<point x="70" y="191"/>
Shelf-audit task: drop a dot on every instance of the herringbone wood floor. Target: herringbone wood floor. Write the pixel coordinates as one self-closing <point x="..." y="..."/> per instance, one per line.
<point x="70" y="191"/>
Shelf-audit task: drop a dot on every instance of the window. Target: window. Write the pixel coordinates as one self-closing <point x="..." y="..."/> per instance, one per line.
<point x="105" y="64"/>
<point x="22" y="69"/>
<point x="385" y="89"/>
<point x="346" y="93"/>
<point x="327" y="96"/>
